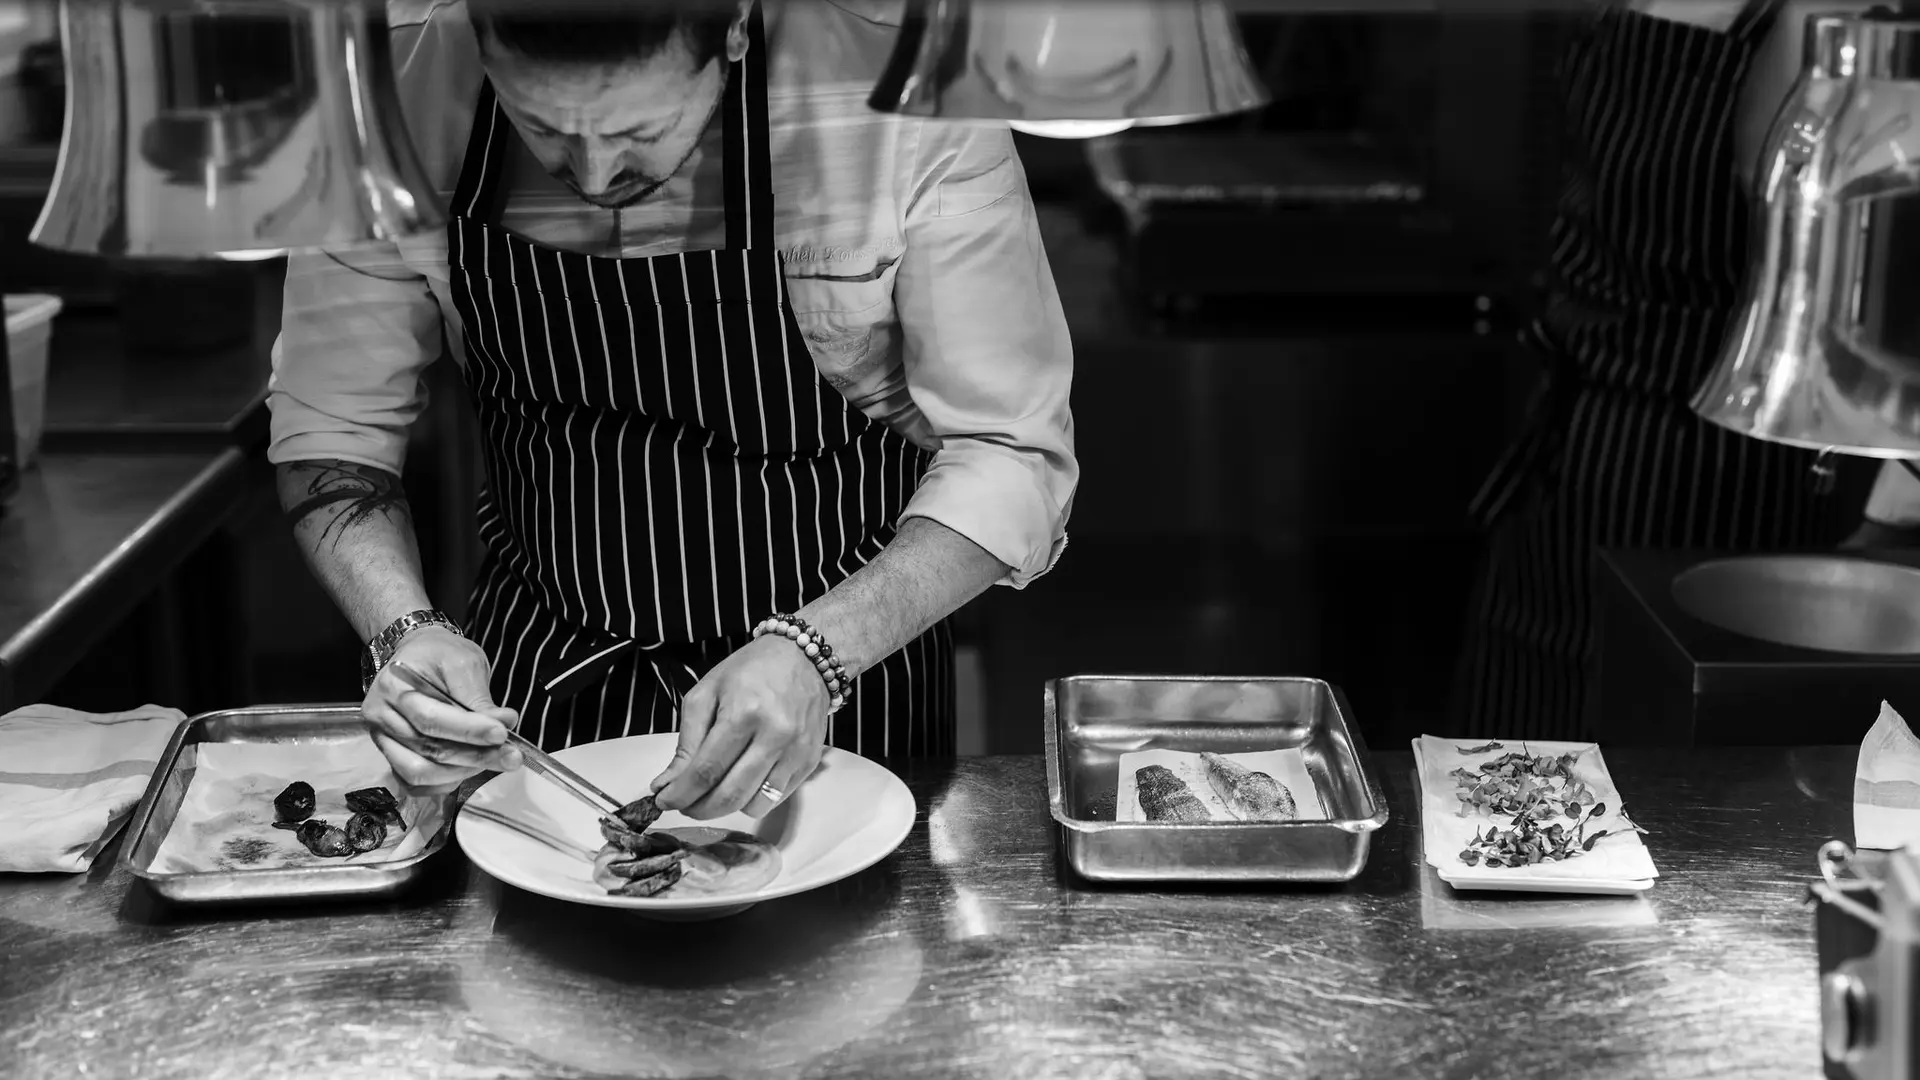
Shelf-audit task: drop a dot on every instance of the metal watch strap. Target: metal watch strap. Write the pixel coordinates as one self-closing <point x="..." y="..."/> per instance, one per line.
<point x="380" y="649"/>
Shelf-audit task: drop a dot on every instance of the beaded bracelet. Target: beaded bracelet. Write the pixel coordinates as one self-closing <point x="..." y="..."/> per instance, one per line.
<point x="802" y="633"/>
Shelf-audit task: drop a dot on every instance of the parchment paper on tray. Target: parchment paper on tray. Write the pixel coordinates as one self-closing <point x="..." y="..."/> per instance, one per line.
<point x="225" y="821"/>
<point x="1286" y="766"/>
<point x="1620" y="856"/>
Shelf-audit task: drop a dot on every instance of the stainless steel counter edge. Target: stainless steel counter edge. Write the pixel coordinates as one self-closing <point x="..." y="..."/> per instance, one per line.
<point x="225" y="467"/>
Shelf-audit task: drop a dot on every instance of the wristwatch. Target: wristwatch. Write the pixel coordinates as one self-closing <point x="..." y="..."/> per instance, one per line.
<point x="380" y="649"/>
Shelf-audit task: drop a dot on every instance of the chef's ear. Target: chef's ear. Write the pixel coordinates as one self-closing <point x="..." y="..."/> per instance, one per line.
<point x="737" y="33"/>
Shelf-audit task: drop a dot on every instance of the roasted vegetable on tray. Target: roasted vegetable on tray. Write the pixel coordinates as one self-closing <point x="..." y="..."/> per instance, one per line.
<point x="377" y="802"/>
<point x="293" y="805"/>
<point x="323" y="839"/>
<point x="375" y="811"/>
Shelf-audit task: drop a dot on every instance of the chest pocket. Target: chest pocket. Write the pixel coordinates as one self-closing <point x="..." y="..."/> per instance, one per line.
<point x="850" y="326"/>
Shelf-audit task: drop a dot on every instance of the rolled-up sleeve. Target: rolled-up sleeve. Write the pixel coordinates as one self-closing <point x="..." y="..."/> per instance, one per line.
<point x="357" y="331"/>
<point x="359" y="327"/>
<point x="986" y="351"/>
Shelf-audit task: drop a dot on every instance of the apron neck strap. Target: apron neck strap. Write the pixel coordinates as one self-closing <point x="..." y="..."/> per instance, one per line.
<point x="1756" y="17"/>
<point x="746" y="142"/>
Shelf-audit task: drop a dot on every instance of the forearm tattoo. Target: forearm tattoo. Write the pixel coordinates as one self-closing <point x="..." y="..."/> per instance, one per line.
<point x="350" y="492"/>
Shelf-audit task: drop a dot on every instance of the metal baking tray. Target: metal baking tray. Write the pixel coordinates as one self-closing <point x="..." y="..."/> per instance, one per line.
<point x="1092" y="719"/>
<point x="284" y="723"/>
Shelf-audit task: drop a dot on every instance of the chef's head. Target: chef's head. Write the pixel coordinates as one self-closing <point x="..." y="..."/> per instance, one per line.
<point x="611" y="101"/>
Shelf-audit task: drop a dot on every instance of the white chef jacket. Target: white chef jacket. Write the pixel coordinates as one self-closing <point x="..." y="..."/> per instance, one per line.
<point x="913" y="261"/>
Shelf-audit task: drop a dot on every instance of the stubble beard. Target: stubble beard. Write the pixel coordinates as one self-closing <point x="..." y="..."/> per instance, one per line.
<point x="624" y="201"/>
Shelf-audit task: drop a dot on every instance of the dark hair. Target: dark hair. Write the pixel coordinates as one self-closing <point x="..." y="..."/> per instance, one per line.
<point x="600" y="35"/>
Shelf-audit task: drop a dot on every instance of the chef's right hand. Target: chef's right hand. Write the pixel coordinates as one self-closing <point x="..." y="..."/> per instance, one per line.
<point x="432" y="745"/>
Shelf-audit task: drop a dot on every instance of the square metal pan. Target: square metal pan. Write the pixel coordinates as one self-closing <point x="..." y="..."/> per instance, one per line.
<point x="285" y="723"/>
<point x="1092" y="719"/>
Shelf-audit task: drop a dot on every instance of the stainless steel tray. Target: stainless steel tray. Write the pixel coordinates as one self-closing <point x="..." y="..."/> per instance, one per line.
<point x="286" y="723"/>
<point x="1092" y="719"/>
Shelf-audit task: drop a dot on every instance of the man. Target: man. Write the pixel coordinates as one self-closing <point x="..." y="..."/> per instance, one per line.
<point x="739" y="347"/>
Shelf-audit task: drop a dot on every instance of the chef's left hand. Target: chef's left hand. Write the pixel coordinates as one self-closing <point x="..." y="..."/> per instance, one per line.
<point x="760" y="716"/>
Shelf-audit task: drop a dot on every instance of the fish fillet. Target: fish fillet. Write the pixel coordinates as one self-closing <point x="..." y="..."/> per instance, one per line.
<point x="1252" y="796"/>
<point x="1165" y="797"/>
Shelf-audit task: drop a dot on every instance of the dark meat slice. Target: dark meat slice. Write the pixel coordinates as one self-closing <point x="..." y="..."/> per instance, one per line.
<point x="634" y="869"/>
<point x="295" y="803"/>
<point x="640" y="814"/>
<point x="628" y="829"/>
<point x="365" y="832"/>
<point x="637" y="843"/>
<point x="324" y="840"/>
<point x="377" y="801"/>
<point x="648" y="886"/>
<point x="647" y="845"/>
<point x="1165" y="797"/>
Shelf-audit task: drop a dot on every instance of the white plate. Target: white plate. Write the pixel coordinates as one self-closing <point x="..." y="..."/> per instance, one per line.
<point x="1598" y="886"/>
<point x="850" y="814"/>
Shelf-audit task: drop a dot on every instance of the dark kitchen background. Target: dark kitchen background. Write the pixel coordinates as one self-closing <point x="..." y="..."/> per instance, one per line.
<point x="1294" y="335"/>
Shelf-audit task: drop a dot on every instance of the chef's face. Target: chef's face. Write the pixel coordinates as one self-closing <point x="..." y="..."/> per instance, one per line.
<point x="613" y="132"/>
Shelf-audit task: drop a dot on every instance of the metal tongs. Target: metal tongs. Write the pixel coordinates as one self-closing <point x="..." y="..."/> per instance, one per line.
<point x="603" y="804"/>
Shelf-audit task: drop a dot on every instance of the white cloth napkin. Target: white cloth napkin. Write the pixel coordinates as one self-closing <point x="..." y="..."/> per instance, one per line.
<point x="68" y="781"/>
<point x="1886" y="785"/>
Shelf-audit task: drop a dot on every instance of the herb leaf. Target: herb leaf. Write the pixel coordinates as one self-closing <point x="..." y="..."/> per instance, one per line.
<point x="1541" y="808"/>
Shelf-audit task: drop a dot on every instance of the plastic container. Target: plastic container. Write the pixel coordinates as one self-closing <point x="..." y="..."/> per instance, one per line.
<point x="29" y="332"/>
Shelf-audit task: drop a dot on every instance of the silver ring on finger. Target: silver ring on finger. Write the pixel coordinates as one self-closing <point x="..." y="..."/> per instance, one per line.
<point x="772" y="794"/>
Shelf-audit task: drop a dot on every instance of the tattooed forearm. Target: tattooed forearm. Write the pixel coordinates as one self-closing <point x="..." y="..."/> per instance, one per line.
<point x="355" y="530"/>
<point x="343" y="494"/>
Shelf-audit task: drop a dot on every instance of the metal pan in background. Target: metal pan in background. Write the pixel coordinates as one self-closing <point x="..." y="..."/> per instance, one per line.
<point x="285" y="723"/>
<point x="1092" y="719"/>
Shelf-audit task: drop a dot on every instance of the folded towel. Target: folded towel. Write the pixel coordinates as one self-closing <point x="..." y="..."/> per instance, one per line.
<point x="1886" y="785"/>
<point x="68" y="781"/>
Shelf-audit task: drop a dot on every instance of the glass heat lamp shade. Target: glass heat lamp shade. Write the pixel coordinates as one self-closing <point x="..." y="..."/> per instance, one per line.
<point x="1069" y="68"/>
<point x="230" y="128"/>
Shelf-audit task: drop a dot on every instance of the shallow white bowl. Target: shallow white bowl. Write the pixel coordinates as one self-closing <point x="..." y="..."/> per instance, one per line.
<point x="850" y="814"/>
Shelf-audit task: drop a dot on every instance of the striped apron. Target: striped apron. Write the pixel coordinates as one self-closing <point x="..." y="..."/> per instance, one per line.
<point x="665" y="466"/>
<point x="1649" y="253"/>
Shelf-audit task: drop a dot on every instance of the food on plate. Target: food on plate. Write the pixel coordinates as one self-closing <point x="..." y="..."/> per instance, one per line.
<point x="640" y="814"/>
<point x="1166" y="797"/>
<point x="379" y="802"/>
<point x="646" y="863"/>
<point x="324" y="840"/>
<point x="293" y="805"/>
<point x="623" y="874"/>
<point x="1546" y="806"/>
<point x="696" y="861"/>
<point x="651" y="843"/>
<point x="1252" y="796"/>
<point x="365" y="832"/>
